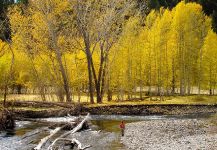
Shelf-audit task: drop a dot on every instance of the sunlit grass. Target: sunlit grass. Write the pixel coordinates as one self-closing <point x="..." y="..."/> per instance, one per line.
<point x="208" y="100"/>
<point x="37" y="97"/>
<point x="194" y="99"/>
<point x="33" y="108"/>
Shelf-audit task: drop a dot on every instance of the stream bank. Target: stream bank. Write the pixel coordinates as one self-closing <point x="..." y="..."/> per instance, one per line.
<point x="38" y="109"/>
<point x="163" y="126"/>
<point x="150" y="109"/>
<point x="139" y="110"/>
<point x="105" y="133"/>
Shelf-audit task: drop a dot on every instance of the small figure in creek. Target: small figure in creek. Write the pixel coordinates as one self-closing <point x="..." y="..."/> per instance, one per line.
<point x="122" y="127"/>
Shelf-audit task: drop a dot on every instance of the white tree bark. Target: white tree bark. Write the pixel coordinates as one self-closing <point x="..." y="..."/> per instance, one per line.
<point x="53" y="132"/>
<point x="77" y="128"/>
<point x="45" y="139"/>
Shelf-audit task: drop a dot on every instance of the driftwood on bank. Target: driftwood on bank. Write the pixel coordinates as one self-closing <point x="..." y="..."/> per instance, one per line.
<point x="70" y="124"/>
<point x="45" y="139"/>
<point x="77" y="128"/>
<point x="62" y="137"/>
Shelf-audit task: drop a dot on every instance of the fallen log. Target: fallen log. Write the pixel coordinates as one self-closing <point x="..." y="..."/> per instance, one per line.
<point x="52" y="133"/>
<point x="44" y="140"/>
<point x="69" y="123"/>
<point x="57" y="129"/>
<point x="77" y="128"/>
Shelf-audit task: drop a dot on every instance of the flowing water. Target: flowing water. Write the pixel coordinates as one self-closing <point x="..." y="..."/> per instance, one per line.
<point x="109" y="125"/>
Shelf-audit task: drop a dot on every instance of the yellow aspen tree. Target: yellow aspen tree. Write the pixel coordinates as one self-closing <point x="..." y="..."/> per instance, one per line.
<point x="209" y="61"/>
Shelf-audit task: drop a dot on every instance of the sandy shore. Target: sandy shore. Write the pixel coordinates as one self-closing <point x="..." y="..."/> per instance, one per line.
<point x="174" y="134"/>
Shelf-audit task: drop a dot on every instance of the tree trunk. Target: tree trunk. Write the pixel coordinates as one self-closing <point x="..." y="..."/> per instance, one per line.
<point x="104" y="72"/>
<point x="59" y="60"/>
<point x="189" y="85"/>
<point x="109" y="91"/>
<point x="60" y="94"/>
<point x="90" y="77"/>
<point x="200" y="72"/>
<point x="210" y="79"/>
<point x="5" y="95"/>
<point x="79" y="94"/>
<point x="109" y="95"/>
<point x="173" y="77"/>
<point x="19" y="89"/>
<point x="63" y="73"/>
<point x="42" y="93"/>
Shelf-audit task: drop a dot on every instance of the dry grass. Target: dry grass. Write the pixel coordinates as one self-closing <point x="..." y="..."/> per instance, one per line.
<point x="195" y="99"/>
<point x="208" y="100"/>
<point x="35" y="97"/>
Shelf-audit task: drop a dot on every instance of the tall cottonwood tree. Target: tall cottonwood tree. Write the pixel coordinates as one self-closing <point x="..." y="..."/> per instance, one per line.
<point x="99" y="24"/>
<point x="7" y="67"/>
<point x="209" y="62"/>
<point x="188" y="37"/>
<point x="46" y="26"/>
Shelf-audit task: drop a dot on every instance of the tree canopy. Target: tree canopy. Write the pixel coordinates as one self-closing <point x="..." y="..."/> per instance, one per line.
<point x="109" y="48"/>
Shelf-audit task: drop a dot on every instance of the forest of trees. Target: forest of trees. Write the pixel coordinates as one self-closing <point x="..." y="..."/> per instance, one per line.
<point x="105" y="49"/>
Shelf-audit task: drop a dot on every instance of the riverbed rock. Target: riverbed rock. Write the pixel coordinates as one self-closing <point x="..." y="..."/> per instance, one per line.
<point x="174" y="134"/>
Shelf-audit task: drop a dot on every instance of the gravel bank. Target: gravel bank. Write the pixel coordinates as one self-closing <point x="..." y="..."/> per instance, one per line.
<point x="174" y="134"/>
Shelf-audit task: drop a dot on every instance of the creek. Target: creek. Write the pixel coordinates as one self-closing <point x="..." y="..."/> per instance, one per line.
<point x="109" y="138"/>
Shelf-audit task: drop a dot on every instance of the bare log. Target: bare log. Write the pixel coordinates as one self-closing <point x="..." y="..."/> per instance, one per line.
<point x="44" y="140"/>
<point x="77" y="128"/>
